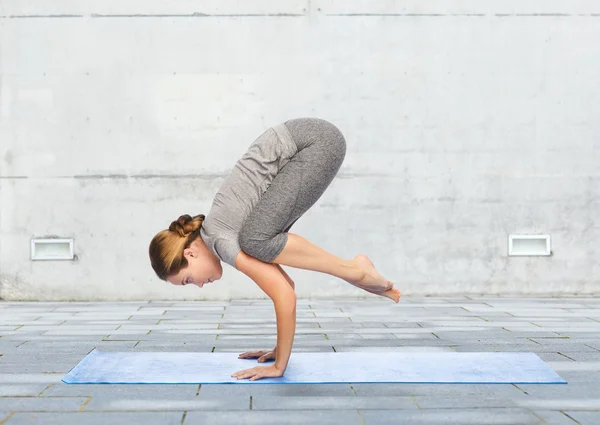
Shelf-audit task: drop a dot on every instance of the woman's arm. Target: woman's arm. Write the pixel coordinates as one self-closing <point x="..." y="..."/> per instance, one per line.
<point x="270" y="279"/>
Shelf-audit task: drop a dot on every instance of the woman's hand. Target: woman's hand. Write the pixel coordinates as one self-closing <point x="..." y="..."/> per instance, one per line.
<point x="259" y="372"/>
<point x="261" y="355"/>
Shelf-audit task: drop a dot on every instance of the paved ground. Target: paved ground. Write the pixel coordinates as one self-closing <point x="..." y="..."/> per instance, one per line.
<point x="41" y="342"/>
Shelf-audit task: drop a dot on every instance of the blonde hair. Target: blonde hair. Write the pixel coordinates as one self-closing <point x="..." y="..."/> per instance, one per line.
<point x="167" y="246"/>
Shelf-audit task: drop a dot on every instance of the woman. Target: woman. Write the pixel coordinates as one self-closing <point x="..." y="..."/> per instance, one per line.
<point x="283" y="173"/>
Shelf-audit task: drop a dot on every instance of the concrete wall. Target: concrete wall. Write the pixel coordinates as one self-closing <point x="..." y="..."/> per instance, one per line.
<point x="466" y="121"/>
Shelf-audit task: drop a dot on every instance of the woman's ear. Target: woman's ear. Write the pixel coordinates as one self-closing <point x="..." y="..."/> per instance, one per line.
<point x="190" y="252"/>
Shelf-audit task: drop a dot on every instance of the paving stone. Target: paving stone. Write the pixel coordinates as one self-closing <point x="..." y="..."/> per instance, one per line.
<point x="49" y="367"/>
<point x="297" y="349"/>
<point x="565" y="403"/>
<point x="441" y="390"/>
<point x="567" y="341"/>
<point x="516" y="347"/>
<point x="291" y="417"/>
<point x="553" y="357"/>
<point x="280" y="390"/>
<point x="163" y="391"/>
<point x="468" y="401"/>
<point x="578" y="376"/>
<point x="582" y="356"/>
<point x="20" y="390"/>
<point x="330" y="403"/>
<point x="553" y="417"/>
<point x="97" y="418"/>
<point x="40" y="403"/>
<point x="29" y="378"/>
<point x="585" y="418"/>
<point x="581" y="390"/>
<point x="403" y="349"/>
<point x="592" y="366"/>
<point x="161" y="403"/>
<point x="504" y="416"/>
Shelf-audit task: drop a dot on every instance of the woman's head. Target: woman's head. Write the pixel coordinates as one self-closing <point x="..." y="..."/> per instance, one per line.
<point x="180" y="256"/>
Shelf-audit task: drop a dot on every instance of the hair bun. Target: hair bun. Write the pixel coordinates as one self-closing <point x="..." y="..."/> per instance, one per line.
<point x="186" y="224"/>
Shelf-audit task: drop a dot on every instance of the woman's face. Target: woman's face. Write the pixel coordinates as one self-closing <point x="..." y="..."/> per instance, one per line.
<point x="203" y="266"/>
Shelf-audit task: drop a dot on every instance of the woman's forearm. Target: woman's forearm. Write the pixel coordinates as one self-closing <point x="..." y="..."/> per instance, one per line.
<point x="275" y="284"/>
<point x="285" y="314"/>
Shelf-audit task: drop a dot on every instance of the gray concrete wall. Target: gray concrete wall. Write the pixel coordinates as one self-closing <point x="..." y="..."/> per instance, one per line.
<point x="466" y="121"/>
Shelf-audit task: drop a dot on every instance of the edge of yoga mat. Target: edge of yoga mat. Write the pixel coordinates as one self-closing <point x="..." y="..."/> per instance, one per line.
<point x="551" y="377"/>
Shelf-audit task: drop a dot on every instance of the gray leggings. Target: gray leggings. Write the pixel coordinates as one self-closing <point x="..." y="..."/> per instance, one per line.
<point x="295" y="188"/>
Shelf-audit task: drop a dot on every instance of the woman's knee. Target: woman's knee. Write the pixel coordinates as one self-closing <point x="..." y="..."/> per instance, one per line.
<point x="253" y="245"/>
<point x="335" y="138"/>
<point x="264" y="249"/>
<point x="248" y="242"/>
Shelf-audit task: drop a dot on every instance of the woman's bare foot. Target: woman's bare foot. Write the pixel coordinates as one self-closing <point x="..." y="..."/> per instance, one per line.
<point x="372" y="280"/>
<point x="392" y="293"/>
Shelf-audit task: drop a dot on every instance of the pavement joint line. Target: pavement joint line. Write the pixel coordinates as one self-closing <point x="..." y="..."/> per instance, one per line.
<point x="414" y="400"/>
<point x="558" y="352"/>
<point x="49" y="397"/>
<point x="353" y="390"/>
<point x="360" y="418"/>
<point x="520" y="389"/>
<point x="2" y="422"/>
<point x="42" y="392"/>
<point x="540" y="418"/>
<point x="561" y="411"/>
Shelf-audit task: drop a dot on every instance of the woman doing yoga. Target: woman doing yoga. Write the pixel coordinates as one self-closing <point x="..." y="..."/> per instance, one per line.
<point x="282" y="174"/>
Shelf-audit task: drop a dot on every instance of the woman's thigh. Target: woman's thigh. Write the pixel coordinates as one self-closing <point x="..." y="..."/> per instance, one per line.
<point x="297" y="186"/>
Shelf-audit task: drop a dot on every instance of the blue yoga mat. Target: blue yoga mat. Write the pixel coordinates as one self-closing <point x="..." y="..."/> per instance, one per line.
<point x="314" y="368"/>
